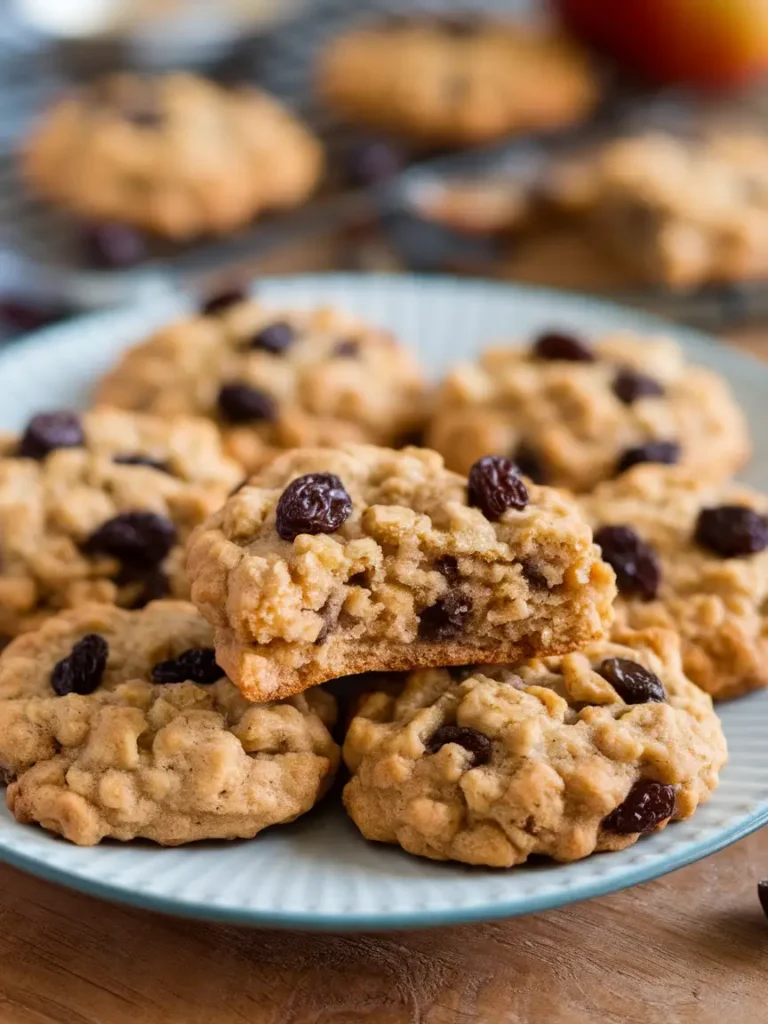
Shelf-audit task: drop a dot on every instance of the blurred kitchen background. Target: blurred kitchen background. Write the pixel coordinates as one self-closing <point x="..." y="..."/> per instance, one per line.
<point x="501" y="209"/>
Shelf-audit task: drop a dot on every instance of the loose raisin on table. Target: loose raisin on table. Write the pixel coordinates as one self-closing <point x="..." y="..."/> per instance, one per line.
<point x="646" y="806"/>
<point x="241" y="403"/>
<point x="474" y="742"/>
<point x="638" y="571"/>
<point x="445" y="619"/>
<point x="83" y="669"/>
<point x="762" y="895"/>
<point x="634" y="683"/>
<point x="666" y="453"/>
<point x="560" y="347"/>
<point x="195" y="665"/>
<point x="314" y="503"/>
<point x="48" y="431"/>
<point x="732" y="530"/>
<point x="495" y="485"/>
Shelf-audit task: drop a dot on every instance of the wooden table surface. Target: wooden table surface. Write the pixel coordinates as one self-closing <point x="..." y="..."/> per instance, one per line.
<point x="690" y="948"/>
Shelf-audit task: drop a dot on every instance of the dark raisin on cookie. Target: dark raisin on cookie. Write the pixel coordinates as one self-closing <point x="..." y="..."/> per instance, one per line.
<point x="315" y="503"/>
<point x="667" y="453"/>
<point x="495" y="485"/>
<point x="530" y="463"/>
<point x="448" y="567"/>
<point x="560" y="347"/>
<point x="48" y="431"/>
<point x="242" y="403"/>
<point x="634" y="683"/>
<point x="195" y="665"/>
<point x="732" y="530"/>
<point x="217" y="303"/>
<point x="445" y="619"/>
<point x="83" y="669"/>
<point x="637" y="568"/>
<point x="474" y="742"/>
<point x="274" y="338"/>
<point x="762" y="895"/>
<point x="136" y="538"/>
<point x="647" y="805"/>
<point x="630" y="385"/>
<point x="347" y="349"/>
<point x="137" y="459"/>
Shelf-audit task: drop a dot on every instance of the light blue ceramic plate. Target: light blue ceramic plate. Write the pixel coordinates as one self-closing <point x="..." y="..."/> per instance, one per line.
<point x="318" y="872"/>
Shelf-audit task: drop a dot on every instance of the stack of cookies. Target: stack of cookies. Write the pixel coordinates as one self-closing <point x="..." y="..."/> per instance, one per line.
<point x="243" y="519"/>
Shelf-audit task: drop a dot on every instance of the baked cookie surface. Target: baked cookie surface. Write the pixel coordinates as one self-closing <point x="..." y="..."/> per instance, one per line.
<point x="337" y="562"/>
<point x="120" y="724"/>
<point x="455" y="81"/>
<point x="274" y="380"/>
<point x="97" y="506"/>
<point x="573" y="413"/>
<point x="176" y="155"/>
<point x="680" y="213"/>
<point x="562" y="756"/>
<point x="692" y="556"/>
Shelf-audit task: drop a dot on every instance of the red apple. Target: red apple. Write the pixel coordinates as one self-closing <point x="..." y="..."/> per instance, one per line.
<point x="709" y="43"/>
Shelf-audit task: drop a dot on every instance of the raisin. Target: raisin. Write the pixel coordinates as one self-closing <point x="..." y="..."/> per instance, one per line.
<point x="762" y="895"/>
<point x="448" y="567"/>
<point x="347" y="349"/>
<point x="633" y="683"/>
<point x="112" y="245"/>
<point x="142" y="111"/>
<point x="138" y="538"/>
<point x="665" y="452"/>
<point x="446" y="618"/>
<point x="534" y="576"/>
<point x="274" y="338"/>
<point x="530" y="464"/>
<point x="196" y="665"/>
<point x="48" y="431"/>
<point x="732" y="530"/>
<point x="137" y="459"/>
<point x="495" y="486"/>
<point x="370" y="161"/>
<point x="638" y="572"/>
<point x="82" y="670"/>
<point x="647" y="805"/>
<point x="315" y="503"/>
<point x="562" y="348"/>
<point x="217" y="303"/>
<point x="241" y="403"/>
<point x="629" y="385"/>
<point x="474" y="742"/>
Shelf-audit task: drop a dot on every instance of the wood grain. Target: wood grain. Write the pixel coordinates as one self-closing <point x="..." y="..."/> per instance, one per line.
<point x="688" y="949"/>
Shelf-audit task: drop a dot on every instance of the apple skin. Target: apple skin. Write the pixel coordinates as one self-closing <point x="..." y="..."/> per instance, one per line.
<point x="713" y="44"/>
